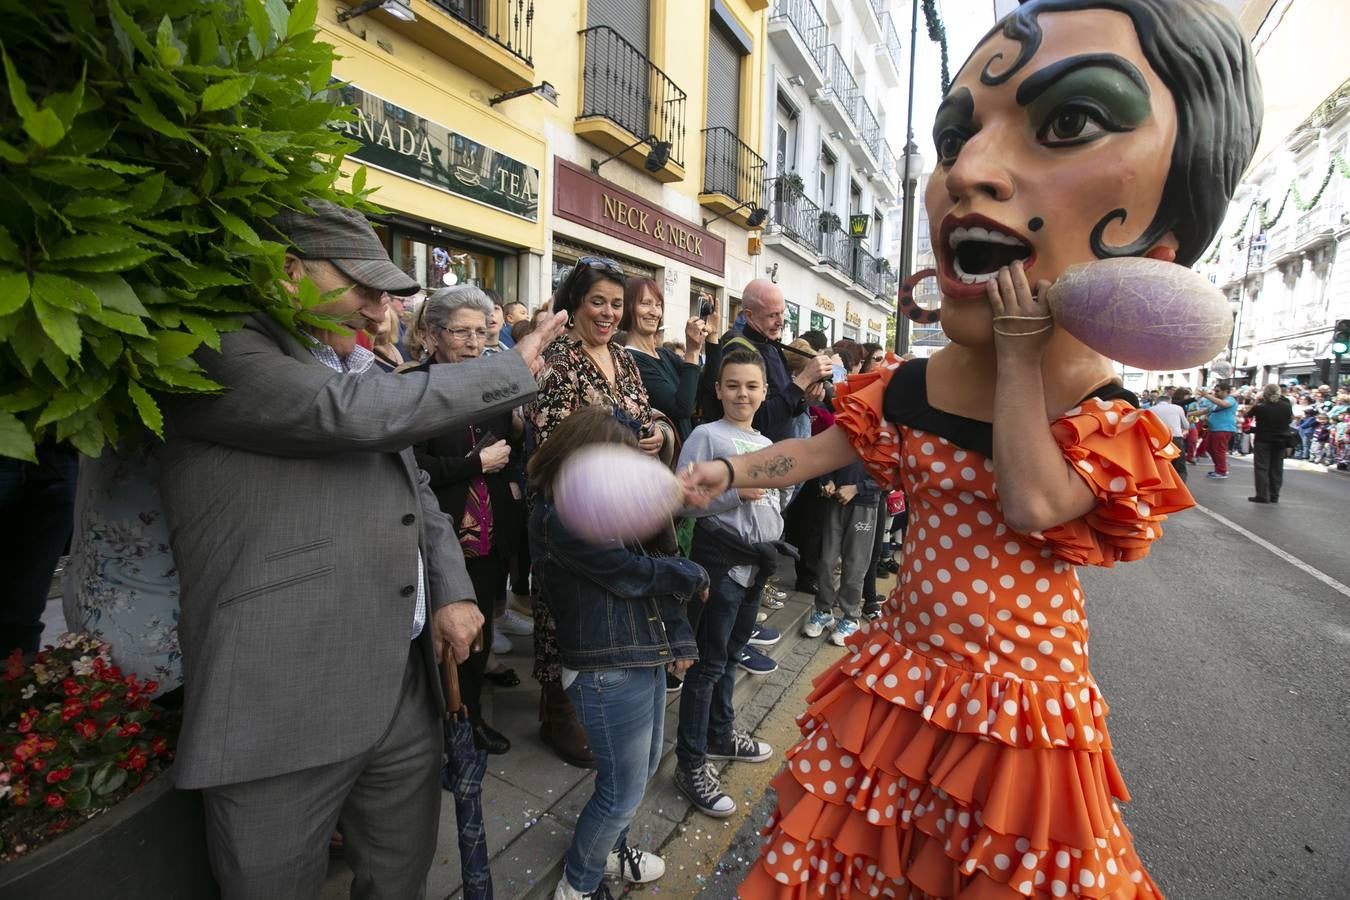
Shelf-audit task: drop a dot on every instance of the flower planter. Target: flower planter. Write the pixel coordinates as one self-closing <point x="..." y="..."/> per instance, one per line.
<point x="152" y="844"/>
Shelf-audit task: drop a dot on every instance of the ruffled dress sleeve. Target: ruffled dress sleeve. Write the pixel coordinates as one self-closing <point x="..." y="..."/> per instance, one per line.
<point x="1124" y="456"/>
<point x="858" y="410"/>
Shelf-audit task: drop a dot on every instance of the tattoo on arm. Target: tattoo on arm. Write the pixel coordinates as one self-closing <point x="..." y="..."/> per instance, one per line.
<point x="776" y="467"/>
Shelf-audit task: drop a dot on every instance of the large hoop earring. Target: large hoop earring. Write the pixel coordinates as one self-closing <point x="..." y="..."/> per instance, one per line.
<point x="913" y="310"/>
<point x="571" y="321"/>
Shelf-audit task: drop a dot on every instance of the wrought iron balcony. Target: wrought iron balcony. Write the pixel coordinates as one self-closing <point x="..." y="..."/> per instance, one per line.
<point x="621" y="85"/>
<point x="891" y="39"/>
<point x="507" y="23"/>
<point x="795" y="214"/>
<point x="870" y="129"/>
<point x="842" y="85"/>
<point x="731" y="168"/>
<point x="806" y="20"/>
<point x="865" y="271"/>
<point x="836" y="249"/>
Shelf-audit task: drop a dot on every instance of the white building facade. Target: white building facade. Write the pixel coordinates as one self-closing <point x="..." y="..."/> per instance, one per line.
<point x="832" y="78"/>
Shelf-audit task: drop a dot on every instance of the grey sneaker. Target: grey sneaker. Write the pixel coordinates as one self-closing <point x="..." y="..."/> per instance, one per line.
<point x="703" y="790"/>
<point x="742" y="748"/>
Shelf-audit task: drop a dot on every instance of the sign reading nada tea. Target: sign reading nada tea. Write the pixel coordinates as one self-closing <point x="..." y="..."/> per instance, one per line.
<point x="588" y="200"/>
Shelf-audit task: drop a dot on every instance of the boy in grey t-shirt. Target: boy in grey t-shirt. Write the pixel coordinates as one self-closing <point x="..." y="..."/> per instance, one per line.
<point x="729" y="547"/>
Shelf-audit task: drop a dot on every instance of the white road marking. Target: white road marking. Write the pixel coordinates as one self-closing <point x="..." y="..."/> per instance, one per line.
<point x="1287" y="557"/>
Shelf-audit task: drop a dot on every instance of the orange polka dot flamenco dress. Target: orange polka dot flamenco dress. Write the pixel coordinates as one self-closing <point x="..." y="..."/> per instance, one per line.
<point x="960" y="750"/>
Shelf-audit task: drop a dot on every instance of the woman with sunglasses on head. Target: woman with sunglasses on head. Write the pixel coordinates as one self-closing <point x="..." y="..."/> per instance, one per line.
<point x="474" y="473"/>
<point x="671" y="378"/>
<point x="586" y="366"/>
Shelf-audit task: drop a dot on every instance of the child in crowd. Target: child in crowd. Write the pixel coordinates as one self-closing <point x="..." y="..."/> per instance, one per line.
<point x="1306" y="427"/>
<point x="1338" y="439"/>
<point x="1321" y="450"/>
<point x="852" y="497"/>
<point x="621" y="627"/>
<point x="737" y="540"/>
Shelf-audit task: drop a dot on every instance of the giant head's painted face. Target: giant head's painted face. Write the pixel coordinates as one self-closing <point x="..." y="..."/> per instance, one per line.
<point x="1086" y="129"/>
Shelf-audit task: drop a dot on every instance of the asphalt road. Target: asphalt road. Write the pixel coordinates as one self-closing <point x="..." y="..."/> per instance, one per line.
<point x="1228" y="672"/>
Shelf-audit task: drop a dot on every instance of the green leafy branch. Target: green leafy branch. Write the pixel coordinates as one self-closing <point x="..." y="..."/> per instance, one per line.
<point x="142" y="144"/>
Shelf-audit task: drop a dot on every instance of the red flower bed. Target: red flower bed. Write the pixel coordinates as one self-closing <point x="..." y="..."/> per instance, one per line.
<point x="78" y="736"/>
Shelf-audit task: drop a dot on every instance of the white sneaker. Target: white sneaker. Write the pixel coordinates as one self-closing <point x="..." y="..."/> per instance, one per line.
<point x="816" y="623"/>
<point x="512" y="622"/>
<point x="637" y="866"/>
<point x="565" y="891"/>
<point x="501" y="644"/>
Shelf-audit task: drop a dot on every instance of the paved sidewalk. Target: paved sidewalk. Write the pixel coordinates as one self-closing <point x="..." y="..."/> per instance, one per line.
<point x="531" y="799"/>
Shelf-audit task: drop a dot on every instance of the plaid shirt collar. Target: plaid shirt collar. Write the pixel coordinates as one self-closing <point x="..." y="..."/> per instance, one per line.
<point x="358" y="361"/>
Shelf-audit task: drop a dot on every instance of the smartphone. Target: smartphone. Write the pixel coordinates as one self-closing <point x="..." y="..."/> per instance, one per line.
<point x="485" y="439"/>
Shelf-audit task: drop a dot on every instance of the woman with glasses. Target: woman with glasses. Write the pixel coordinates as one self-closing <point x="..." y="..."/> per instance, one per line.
<point x="473" y="474"/>
<point x="585" y="367"/>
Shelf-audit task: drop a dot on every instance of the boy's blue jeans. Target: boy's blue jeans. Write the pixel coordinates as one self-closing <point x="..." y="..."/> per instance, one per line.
<point x="722" y="628"/>
<point x="623" y="712"/>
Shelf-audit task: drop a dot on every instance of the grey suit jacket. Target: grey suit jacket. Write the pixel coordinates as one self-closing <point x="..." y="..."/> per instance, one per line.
<point x="296" y="512"/>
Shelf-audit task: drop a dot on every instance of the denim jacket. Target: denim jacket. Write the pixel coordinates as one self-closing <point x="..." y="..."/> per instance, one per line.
<point x="615" y="607"/>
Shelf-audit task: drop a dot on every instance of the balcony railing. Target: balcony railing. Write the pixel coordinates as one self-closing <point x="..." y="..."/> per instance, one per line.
<point x="1317" y="219"/>
<point x="891" y="40"/>
<point x="869" y="126"/>
<point x="795" y="213"/>
<point x="879" y="8"/>
<point x="507" y="23"/>
<point x="732" y="168"/>
<point x="890" y="166"/>
<point x="837" y="249"/>
<point x="625" y="87"/>
<point x="806" y="20"/>
<point x="865" y="271"/>
<point x="841" y="80"/>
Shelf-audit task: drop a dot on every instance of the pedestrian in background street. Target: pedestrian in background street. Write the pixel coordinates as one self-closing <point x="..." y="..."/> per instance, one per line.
<point x="1220" y="411"/>
<point x="1274" y="439"/>
<point x="1169" y="412"/>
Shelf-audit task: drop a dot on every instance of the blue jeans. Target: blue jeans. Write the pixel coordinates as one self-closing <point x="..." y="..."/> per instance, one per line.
<point x="37" y="509"/>
<point x="623" y="712"/>
<point x="722" y="626"/>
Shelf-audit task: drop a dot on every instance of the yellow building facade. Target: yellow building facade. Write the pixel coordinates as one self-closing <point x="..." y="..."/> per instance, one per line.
<point x="487" y="182"/>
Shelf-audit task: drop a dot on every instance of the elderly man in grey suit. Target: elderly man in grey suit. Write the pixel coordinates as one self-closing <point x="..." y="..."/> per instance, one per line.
<point x="320" y="581"/>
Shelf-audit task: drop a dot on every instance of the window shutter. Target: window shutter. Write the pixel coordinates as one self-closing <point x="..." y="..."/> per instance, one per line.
<point x="724" y="81"/>
<point x="628" y="17"/>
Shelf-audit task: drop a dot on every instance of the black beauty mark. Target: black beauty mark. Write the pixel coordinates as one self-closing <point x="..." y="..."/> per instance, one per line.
<point x="1036" y="223"/>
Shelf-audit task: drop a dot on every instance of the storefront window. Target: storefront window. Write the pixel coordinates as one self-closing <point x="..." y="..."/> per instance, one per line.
<point x="792" y="322"/>
<point x="824" y="324"/>
<point x="850" y="332"/>
<point x="439" y="264"/>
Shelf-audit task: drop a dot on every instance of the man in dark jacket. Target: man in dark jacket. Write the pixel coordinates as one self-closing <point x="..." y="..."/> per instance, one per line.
<point x="764" y="309"/>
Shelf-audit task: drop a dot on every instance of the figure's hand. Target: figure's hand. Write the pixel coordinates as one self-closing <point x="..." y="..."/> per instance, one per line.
<point x="1022" y="321"/>
<point x="651" y="444"/>
<point x="816" y="370"/>
<point x="454" y="628"/>
<point x="702" y="482"/>
<point x="531" y="347"/>
<point x="827" y="488"/>
<point x="494" y="457"/>
<point x="847" y="493"/>
<point x="749" y="495"/>
<point x="679" y="666"/>
<point x="816" y="392"/>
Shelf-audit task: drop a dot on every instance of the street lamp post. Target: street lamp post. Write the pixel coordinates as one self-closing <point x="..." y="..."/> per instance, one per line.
<point x="913" y="168"/>
<point x="907" y="209"/>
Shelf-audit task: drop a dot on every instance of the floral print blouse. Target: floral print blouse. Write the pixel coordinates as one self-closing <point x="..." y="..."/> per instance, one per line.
<point x="570" y="380"/>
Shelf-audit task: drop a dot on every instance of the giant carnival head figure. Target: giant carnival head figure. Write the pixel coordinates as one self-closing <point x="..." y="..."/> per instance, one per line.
<point x="1081" y="130"/>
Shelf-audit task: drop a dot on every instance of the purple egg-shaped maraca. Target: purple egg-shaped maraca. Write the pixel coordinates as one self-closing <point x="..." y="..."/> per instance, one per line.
<point x="609" y="492"/>
<point x="1146" y="313"/>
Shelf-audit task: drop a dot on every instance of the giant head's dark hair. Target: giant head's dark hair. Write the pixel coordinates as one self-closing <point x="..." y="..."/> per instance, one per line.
<point x="586" y="425"/>
<point x="574" y="287"/>
<point x="1198" y="50"/>
<point x="633" y="290"/>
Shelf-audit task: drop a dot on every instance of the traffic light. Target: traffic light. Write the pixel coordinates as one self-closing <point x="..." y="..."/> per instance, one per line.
<point x="1340" y="338"/>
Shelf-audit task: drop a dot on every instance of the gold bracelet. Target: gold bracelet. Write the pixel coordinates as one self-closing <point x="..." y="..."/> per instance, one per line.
<point x="1024" y="318"/>
<point x="1023" y="333"/>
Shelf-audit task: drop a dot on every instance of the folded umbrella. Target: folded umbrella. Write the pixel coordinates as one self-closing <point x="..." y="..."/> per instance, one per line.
<point x="465" y="766"/>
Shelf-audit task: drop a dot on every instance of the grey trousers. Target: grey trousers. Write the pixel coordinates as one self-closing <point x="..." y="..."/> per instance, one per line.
<point x="846" y="538"/>
<point x="269" y="838"/>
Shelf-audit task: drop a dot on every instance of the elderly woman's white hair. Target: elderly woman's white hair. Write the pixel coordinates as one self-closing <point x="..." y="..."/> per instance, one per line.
<point x="443" y="304"/>
<point x="1271" y="393"/>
